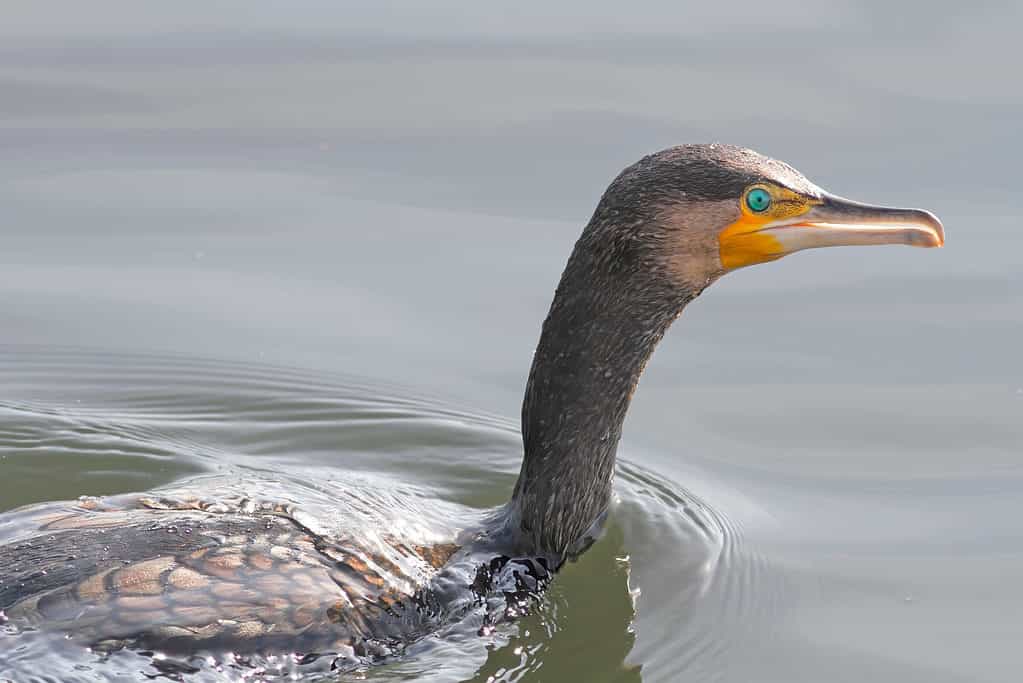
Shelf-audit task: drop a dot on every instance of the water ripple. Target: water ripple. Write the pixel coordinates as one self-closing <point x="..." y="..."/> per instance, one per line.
<point x="354" y="457"/>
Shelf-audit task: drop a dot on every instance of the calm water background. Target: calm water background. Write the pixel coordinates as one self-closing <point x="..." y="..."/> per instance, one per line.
<point x="380" y="197"/>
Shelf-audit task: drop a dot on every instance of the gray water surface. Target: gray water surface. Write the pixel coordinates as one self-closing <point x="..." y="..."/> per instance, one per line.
<point x="210" y="209"/>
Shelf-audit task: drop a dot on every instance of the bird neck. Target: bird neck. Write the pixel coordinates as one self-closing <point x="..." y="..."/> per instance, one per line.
<point x="608" y="315"/>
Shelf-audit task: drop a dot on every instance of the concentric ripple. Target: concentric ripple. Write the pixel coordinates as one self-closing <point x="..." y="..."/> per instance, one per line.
<point x="660" y="592"/>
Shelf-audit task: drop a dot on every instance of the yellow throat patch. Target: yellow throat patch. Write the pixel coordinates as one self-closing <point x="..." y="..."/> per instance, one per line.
<point x="743" y="244"/>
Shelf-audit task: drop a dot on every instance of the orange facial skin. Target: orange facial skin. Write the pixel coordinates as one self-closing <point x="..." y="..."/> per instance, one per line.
<point x="743" y="244"/>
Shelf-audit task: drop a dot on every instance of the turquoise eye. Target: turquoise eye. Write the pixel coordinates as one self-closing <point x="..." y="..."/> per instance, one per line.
<point x="758" y="200"/>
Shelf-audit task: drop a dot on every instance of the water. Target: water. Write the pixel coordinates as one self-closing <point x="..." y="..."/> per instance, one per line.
<point x="310" y="247"/>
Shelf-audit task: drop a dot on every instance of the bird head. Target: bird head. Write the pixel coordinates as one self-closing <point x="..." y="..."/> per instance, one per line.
<point x="700" y="211"/>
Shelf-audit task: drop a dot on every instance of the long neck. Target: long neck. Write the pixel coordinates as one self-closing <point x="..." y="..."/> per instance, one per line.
<point x="606" y="318"/>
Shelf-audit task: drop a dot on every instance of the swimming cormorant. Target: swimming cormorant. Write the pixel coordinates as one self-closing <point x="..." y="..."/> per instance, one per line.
<point x="252" y="578"/>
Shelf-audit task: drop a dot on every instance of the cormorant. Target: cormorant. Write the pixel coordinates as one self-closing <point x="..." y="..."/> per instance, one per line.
<point x="252" y="578"/>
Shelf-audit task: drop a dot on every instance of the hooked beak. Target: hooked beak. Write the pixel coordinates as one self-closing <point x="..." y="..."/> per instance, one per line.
<point x="831" y="222"/>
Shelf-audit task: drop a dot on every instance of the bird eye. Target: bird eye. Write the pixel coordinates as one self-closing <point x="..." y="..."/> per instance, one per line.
<point x="758" y="200"/>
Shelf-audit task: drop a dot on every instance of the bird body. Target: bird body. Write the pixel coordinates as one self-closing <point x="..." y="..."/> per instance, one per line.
<point x="141" y="571"/>
<point x="179" y="575"/>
